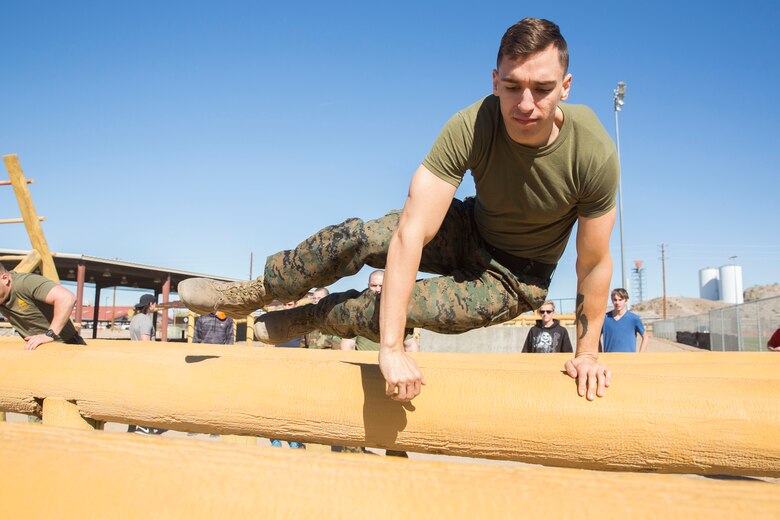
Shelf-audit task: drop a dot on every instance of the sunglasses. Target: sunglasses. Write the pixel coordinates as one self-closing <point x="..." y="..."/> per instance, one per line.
<point x="545" y="312"/>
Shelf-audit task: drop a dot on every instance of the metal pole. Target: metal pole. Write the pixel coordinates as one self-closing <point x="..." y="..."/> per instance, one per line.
<point x="619" y="93"/>
<point x="663" y="273"/>
<point x="758" y="324"/>
<point x="736" y="304"/>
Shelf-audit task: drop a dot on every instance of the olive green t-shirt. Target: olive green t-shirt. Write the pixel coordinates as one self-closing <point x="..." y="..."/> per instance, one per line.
<point x="362" y="343"/>
<point x="528" y="199"/>
<point x="26" y="309"/>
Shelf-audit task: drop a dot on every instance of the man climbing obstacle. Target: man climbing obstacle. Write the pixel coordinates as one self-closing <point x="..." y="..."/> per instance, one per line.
<point x="539" y="167"/>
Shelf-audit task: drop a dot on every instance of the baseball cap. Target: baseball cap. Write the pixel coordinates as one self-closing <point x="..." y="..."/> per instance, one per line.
<point x="145" y="300"/>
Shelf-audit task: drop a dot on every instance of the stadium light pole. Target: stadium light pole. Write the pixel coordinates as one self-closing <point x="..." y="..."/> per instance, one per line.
<point x="617" y="96"/>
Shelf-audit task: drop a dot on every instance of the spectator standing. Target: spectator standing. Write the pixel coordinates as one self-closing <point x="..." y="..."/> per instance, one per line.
<point x="142" y="324"/>
<point x="621" y="326"/>
<point x="548" y="335"/>
<point x="215" y="328"/>
<point x="142" y="329"/>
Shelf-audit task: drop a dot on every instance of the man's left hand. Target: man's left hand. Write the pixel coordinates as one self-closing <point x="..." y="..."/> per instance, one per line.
<point x="33" y="342"/>
<point x="592" y="377"/>
<point x="401" y="373"/>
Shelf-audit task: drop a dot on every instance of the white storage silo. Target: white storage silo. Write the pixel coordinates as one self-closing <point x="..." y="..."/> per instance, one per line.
<point x="730" y="285"/>
<point x="708" y="283"/>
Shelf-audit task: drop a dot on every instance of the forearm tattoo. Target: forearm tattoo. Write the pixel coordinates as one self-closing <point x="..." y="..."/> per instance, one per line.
<point x="581" y="319"/>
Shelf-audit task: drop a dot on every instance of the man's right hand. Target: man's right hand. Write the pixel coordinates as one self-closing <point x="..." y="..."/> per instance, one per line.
<point x="33" y="342"/>
<point x="402" y="374"/>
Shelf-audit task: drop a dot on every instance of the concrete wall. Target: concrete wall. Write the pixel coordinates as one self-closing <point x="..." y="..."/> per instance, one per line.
<point x="497" y="339"/>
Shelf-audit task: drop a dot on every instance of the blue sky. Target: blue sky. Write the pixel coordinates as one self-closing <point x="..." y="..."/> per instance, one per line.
<point x="189" y="134"/>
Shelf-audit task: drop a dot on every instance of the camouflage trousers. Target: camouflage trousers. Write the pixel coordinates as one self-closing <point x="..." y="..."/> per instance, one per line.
<point x="472" y="290"/>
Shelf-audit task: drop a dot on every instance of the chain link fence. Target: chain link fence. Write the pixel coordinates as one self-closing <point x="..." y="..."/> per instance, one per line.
<point x="746" y="327"/>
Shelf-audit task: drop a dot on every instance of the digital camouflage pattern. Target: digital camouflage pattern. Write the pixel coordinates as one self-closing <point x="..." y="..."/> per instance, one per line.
<point x="317" y="340"/>
<point x="472" y="291"/>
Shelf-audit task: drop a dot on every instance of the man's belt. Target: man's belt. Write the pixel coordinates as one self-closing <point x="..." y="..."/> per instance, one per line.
<point x="522" y="266"/>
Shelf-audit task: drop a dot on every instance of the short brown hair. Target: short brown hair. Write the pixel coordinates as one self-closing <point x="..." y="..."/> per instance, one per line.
<point x="620" y="291"/>
<point x="548" y="302"/>
<point x="3" y="269"/>
<point x="532" y="35"/>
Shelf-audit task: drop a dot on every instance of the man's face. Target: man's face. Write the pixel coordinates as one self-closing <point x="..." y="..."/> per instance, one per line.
<point x="530" y="89"/>
<point x="5" y="287"/>
<point x="317" y="296"/>
<point x="375" y="282"/>
<point x="546" y="312"/>
<point x="618" y="303"/>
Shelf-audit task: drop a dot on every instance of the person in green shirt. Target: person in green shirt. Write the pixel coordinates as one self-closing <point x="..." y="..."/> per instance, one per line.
<point x="38" y="308"/>
<point x="540" y="166"/>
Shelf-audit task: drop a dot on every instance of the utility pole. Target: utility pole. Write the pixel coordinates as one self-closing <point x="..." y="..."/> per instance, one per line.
<point x="250" y="264"/>
<point x="663" y="272"/>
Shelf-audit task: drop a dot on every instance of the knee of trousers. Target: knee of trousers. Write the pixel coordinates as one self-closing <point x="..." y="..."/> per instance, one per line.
<point x="365" y="240"/>
<point x="355" y="315"/>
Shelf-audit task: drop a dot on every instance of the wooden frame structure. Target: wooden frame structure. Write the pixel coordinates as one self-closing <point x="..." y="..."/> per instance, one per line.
<point x="41" y="255"/>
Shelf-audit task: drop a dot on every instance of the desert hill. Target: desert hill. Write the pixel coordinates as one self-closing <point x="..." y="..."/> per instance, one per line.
<point x="759" y="292"/>
<point x="685" y="306"/>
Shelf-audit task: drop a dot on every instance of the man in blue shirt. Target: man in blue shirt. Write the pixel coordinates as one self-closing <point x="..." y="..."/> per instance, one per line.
<point x="621" y="326"/>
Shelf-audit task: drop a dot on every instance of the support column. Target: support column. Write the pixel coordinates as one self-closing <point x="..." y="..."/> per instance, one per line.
<point x="250" y="330"/>
<point x="240" y="439"/>
<point x="166" y="295"/>
<point x="96" y="313"/>
<point x="64" y="413"/>
<point x="191" y="316"/>
<point x="81" y="272"/>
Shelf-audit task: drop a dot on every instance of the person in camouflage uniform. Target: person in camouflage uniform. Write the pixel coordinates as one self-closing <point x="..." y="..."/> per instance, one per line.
<point x="411" y="342"/>
<point x="539" y="166"/>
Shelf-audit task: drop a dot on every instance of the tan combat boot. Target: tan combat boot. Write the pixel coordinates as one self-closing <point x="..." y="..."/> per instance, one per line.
<point x="278" y="327"/>
<point x="236" y="299"/>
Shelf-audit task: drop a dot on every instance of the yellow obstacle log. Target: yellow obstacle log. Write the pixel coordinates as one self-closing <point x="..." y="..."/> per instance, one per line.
<point x="127" y="476"/>
<point x="692" y="423"/>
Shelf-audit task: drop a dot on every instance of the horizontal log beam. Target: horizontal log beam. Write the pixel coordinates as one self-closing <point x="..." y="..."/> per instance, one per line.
<point x="29" y="263"/>
<point x="18" y="220"/>
<point x="8" y="183"/>
<point x="695" y="420"/>
<point x="135" y="477"/>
